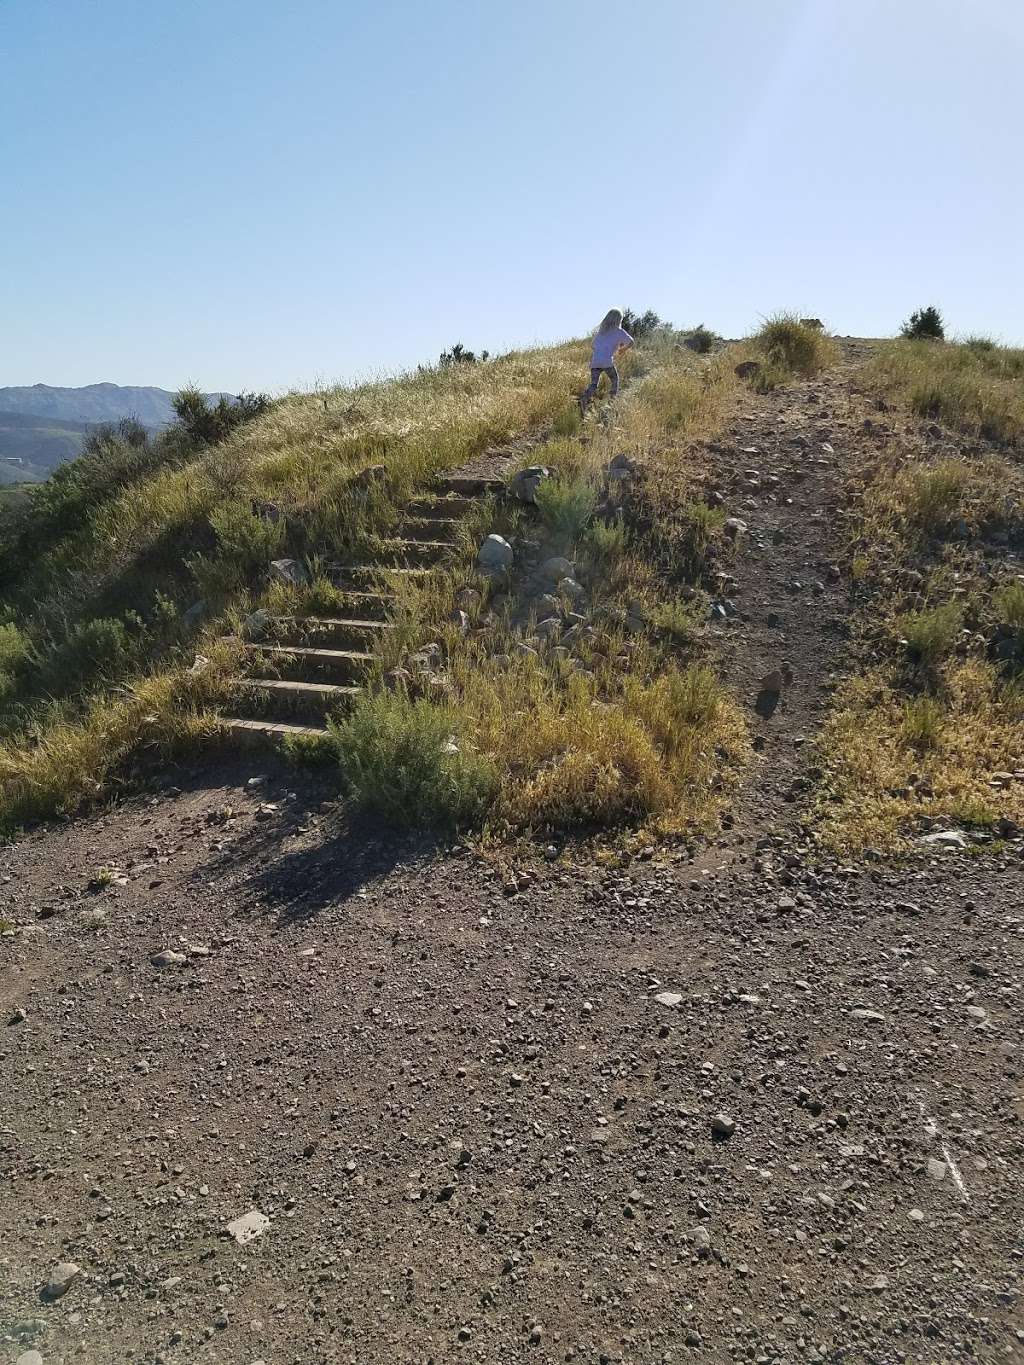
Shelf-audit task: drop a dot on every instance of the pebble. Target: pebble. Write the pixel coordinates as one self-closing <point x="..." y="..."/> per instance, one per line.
<point x="723" y="1126"/>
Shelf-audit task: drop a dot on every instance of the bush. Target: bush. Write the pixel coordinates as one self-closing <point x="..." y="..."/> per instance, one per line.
<point x="794" y="346"/>
<point x="934" y="496"/>
<point x="246" y="538"/>
<point x="1007" y="602"/>
<point x="14" y="648"/>
<point x="402" y="759"/>
<point x="205" y="423"/>
<point x="702" y="339"/>
<point x="605" y="544"/>
<point x="566" y="508"/>
<point x="93" y="650"/>
<point x="931" y="634"/>
<point x="458" y="355"/>
<point x="980" y="344"/>
<point x="639" y="325"/>
<point x="925" y="324"/>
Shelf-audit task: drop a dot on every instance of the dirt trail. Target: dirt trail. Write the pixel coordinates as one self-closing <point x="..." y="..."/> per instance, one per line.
<point x="746" y="1106"/>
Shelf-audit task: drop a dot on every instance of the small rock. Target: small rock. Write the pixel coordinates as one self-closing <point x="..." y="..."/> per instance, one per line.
<point x="288" y="571"/>
<point x="167" y="957"/>
<point x="944" y="838"/>
<point x="18" y="1017"/>
<point x="915" y="1215"/>
<point x="936" y="1168"/>
<point x="723" y="1126"/>
<point x="524" y="485"/>
<point x="669" y="998"/>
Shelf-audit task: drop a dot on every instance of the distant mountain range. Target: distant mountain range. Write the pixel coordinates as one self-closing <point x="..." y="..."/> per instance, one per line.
<point x="41" y="425"/>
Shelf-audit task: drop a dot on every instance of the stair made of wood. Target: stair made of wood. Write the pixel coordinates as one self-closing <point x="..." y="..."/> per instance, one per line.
<point x="311" y="662"/>
<point x="267" y="734"/>
<point x="288" y="700"/>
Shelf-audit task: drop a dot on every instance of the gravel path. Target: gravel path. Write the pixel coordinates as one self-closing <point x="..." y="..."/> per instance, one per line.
<point x="750" y="1105"/>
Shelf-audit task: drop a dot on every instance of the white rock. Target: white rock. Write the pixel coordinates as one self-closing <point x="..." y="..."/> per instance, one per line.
<point x="167" y="958"/>
<point x="288" y="571"/>
<point x="495" y="555"/>
<point x="669" y="998"/>
<point x="62" y="1277"/>
<point x="248" y="1227"/>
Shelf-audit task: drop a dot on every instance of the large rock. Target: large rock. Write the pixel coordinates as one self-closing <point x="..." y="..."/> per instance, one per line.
<point x="495" y="555"/>
<point x="555" y="569"/>
<point x="288" y="571"/>
<point x="62" y="1277"/>
<point x="620" y="468"/>
<point x="248" y="1227"/>
<point x="524" y="485"/>
<point x="748" y="369"/>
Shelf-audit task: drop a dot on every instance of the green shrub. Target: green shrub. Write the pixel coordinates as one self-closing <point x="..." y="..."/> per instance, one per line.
<point x="568" y="421"/>
<point x="459" y="355"/>
<point x="245" y="537"/>
<point x="605" y="543"/>
<point x="702" y="339"/>
<point x="640" y="325"/>
<point x="980" y="344"/>
<point x="311" y="751"/>
<point x="925" y="324"/>
<point x="934" y="495"/>
<point x="566" y="508"/>
<point x="403" y="759"/>
<point x="14" y="647"/>
<point x="205" y="422"/>
<point x="931" y="634"/>
<point x="92" y="650"/>
<point x="679" y="619"/>
<point x="1007" y="602"/>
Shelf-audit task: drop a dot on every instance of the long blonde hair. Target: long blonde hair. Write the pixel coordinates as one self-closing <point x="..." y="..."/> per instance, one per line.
<point x="613" y="318"/>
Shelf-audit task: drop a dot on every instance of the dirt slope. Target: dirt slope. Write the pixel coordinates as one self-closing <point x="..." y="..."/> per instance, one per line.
<point x="477" y="1132"/>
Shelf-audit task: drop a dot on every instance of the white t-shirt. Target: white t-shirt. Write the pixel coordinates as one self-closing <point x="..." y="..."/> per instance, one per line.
<point x="605" y="346"/>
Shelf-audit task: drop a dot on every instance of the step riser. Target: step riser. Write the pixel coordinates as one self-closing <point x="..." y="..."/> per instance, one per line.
<point x="447" y="509"/>
<point x="253" y="703"/>
<point x="302" y="668"/>
<point x="347" y="576"/>
<point x="259" y="741"/>
<point x="448" y="531"/>
<point x="469" y="487"/>
<point x="302" y="633"/>
<point x="414" y="554"/>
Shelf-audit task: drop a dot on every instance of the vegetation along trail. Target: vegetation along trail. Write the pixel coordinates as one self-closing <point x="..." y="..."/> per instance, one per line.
<point x="279" y="1088"/>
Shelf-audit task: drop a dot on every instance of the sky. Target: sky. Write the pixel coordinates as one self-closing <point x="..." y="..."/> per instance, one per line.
<point x="253" y="195"/>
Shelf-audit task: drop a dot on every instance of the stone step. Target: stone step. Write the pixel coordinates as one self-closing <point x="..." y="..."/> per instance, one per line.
<point x="309" y="661"/>
<point x="283" y="698"/>
<point x="268" y="734"/>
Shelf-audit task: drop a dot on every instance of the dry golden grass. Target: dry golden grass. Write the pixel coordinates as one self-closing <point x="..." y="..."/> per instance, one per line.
<point x="73" y="756"/>
<point x="974" y="388"/>
<point x="892" y="762"/>
<point x="628" y="729"/>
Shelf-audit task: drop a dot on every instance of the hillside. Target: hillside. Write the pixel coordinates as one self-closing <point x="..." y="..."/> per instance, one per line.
<point x="617" y="958"/>
<point x="32" y="447"/>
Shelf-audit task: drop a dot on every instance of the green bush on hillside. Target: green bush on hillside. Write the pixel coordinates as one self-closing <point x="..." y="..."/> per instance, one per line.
<point x="924" y="324"/>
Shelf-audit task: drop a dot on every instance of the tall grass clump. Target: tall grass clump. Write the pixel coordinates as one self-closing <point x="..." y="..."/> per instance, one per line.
<point x="566" y="508"/>
<point x="792" y="346"/>
<point x="931" y="634"/>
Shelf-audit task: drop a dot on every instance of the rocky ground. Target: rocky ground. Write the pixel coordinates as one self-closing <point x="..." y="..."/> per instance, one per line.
<point x="745" y="1104"/>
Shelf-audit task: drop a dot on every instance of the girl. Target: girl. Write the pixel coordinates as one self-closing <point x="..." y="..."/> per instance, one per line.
<point x="609" y="338"/>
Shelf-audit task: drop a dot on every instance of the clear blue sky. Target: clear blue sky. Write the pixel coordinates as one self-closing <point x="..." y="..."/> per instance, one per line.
<point x="264" y="194"/>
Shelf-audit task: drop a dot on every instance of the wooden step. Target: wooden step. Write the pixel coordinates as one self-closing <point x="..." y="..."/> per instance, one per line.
<point x="276" y="698"/>
<point x="410" y="553"/>
<point x="341" y="574"/>
<point x="429" y="529"/>
<point x="302" y="629"/>
<point x="450" y="508"/>
<point x="468" y="485"/>
<point x="310" y="659"/>
<point x="268" y="733"/>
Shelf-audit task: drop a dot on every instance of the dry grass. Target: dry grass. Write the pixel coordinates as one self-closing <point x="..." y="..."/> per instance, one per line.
<point x="974" y="386"/>
<point x="895" y="763"/>
<point x="72" y="757"/>
<point x="625" y="727"/>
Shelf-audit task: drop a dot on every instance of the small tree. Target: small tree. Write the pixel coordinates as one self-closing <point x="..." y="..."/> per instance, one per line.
<point x="925" y="324"/>
<point x="640" y="324"/>
<point x="459" y="355"/>
<point x="205" y="423"/>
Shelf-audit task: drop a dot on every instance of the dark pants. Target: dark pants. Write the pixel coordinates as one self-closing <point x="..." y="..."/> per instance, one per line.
<point x="595" y="379"/>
